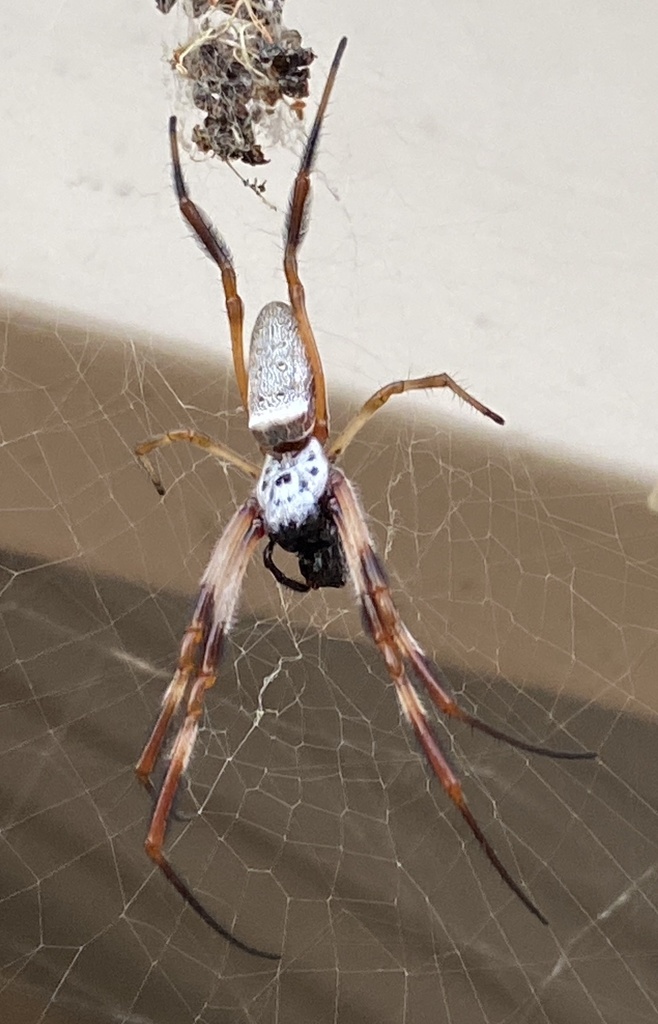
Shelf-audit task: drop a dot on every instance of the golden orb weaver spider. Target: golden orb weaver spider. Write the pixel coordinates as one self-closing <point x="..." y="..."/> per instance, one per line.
<point x="305" y="505"/>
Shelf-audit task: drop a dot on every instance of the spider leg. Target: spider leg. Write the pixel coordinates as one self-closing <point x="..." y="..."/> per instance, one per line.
<point x="430" y="675"/>
<point x="215" y="247"/>
<point x="279" y="576"/>
<point x="416" y="715"/>
<point x="153" y="789"/>
<point x="197" y="672"/>
<point x="220" y="451"/>
<point x="395" y="643"/>
<point x="398" y="387"/>
<point x="193" y="640"/>
<point x="295" y="229"/>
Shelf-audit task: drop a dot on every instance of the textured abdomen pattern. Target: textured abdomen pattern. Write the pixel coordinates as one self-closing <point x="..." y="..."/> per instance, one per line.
<point x="281" y="402"/>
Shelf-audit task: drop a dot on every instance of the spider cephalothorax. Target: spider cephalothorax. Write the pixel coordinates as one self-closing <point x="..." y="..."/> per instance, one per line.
<point x="306" y="506"/>
<point x="294" y="495"/>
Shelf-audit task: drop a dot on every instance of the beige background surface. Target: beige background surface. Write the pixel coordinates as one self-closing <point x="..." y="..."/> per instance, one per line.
<point x="486" y="201"/>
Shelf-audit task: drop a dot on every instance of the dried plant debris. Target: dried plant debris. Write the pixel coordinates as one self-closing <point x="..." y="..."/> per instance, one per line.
<point x="241" y="63"/>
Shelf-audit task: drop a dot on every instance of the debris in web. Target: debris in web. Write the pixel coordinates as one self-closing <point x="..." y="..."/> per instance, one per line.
<point x="243" y="67"/>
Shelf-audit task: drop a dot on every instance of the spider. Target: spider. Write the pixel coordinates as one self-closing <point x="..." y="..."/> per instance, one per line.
<point x="303" y="504"/>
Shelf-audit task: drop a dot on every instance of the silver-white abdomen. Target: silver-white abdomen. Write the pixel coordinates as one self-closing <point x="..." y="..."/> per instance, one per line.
<point x="291" y="485"/>
<point x="281" y="403"/>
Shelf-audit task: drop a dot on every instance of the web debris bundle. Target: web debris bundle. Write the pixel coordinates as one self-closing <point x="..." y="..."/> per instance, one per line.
<point x="242" y="64"/>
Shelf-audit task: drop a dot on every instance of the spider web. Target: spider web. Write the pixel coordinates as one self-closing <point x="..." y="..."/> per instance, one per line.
<point x="310" y="823"/>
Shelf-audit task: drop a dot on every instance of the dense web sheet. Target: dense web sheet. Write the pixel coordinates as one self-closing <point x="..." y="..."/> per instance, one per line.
<point x="485" y="204"/>
<point x="313" y="824"/>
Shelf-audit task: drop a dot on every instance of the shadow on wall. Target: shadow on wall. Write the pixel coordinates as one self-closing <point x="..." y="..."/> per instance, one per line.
<point x="508" y="563"/>
<point x="532" y="583"/>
